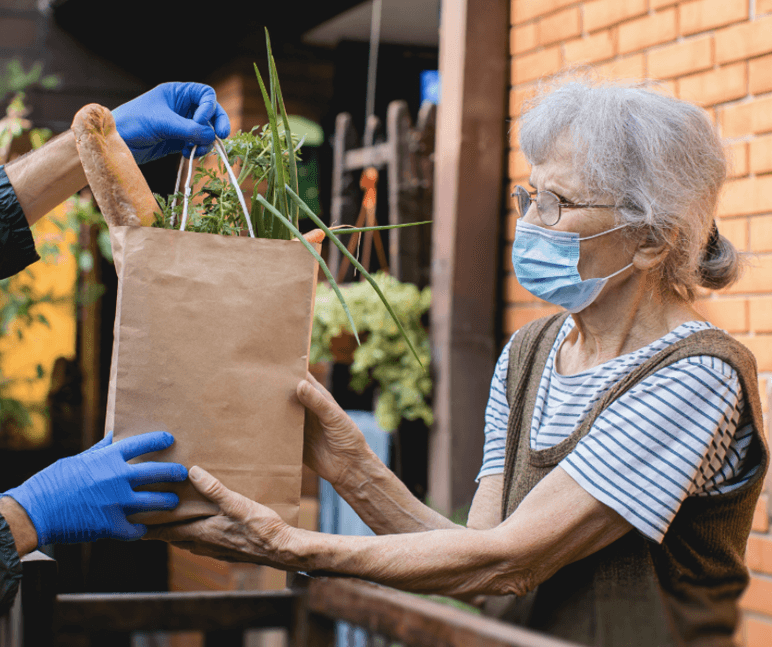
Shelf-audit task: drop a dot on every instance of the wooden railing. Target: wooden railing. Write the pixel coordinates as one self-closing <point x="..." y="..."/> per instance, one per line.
<point x="308" y="612"/>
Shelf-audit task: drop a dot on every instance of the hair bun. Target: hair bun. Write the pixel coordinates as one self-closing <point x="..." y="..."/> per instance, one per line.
<point x="721" y="263"/>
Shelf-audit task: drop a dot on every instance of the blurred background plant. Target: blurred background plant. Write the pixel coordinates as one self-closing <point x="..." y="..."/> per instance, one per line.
<point x="14" y="80"/>
<point x="30" y="299"/>
<point x="383" y="357"/>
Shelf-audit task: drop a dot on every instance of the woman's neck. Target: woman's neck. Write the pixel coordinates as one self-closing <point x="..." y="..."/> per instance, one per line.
<point x="622" y="321"/>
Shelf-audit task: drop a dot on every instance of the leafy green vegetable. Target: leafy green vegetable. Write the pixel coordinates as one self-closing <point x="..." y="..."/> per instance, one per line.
<point x="215" y="208"/>
<point x="266" y="154"/>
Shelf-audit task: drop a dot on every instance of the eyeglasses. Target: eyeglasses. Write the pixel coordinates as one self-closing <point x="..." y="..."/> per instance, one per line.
<point x="548" y="205"/>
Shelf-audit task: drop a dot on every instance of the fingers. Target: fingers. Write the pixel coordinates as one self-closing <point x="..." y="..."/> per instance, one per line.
<point x="312" y="398"/>
<point x="155" y="472"/>
<point x="209" y="486"/>
<point x="105" y="442"/>
<point x="151" y="501"/>
<point x="319" y="387"/>
<point x="185" y="531"/>
<point x="127" y="531"/>
<point x="209" y="112"/>
<point x="153" y="441"/>
<point x="231" y="504"/>
<point x="139" y="531"/>
<point x="222" y="125"/>
<point x="187" y="130"/>
<point x="205" y="110"/>
<point x="200" y="150"/>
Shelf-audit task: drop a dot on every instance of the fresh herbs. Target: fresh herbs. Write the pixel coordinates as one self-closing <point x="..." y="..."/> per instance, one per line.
<point x="214" y="207"/>
<point x="265" y="157"/>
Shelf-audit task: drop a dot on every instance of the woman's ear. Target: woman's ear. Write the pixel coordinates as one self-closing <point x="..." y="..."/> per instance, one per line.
<point x="651" y="251"/>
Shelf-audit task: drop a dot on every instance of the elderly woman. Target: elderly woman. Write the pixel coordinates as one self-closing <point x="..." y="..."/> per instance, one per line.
<point x="624" y="450"/>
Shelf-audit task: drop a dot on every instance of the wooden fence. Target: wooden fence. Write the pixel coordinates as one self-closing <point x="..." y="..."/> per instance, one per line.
<point x="308" y="612"/>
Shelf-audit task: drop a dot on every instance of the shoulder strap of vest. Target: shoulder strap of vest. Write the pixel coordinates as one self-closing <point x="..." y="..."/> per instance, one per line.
<point x="527" y="357"/>
<point x="713" y="342"/>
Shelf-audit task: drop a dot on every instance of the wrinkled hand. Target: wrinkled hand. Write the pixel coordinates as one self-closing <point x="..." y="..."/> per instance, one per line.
<point x="171" y="118"/>
<point x="243" y="531"/>
<point x="88" y="496"/>
<point x="331" y="441"/>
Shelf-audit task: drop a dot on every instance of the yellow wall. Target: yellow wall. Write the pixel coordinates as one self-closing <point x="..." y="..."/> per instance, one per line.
<point x="43" y="344"/>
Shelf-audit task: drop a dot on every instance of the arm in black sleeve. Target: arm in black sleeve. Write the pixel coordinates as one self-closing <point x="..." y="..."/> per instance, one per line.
<point x="10" y="567"/>
<point x="17" y="248"/>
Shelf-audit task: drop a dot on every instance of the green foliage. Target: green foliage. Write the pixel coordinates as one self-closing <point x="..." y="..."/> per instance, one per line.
<point x="269" y="154"/>
<point x="215" y="207"/>
<point x="383" y="356"/>
<point x="15" y="79"/>
<point x="20" y="300"/>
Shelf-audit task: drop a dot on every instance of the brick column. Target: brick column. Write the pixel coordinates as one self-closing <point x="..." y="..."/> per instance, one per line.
<point x="717" y="53"/>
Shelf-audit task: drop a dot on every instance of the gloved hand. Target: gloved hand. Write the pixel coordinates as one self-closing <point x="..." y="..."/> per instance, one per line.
<point x="88" y="496"/>
<point x="171" y="118"/>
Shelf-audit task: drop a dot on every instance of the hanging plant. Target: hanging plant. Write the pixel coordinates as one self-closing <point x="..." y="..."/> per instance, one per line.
<point x="404" y="388"/>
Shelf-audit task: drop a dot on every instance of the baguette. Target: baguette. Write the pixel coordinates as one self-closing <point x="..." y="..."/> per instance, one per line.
<point x="119" y="187"/>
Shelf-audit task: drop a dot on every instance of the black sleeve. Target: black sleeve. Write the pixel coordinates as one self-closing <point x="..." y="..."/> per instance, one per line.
<point x="17" y="249"/>
<point x="10" y="567"/>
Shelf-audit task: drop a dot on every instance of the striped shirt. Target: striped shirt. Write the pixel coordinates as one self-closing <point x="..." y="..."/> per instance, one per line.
<point x="671" y="436"/>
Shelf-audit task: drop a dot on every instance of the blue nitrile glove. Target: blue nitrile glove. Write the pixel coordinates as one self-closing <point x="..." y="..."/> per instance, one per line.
<point x="171" y="118"/>
<point x="88" y="496"/>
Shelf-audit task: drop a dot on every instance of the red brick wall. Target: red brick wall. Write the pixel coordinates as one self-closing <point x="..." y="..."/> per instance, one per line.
<point x="717" y="53"/>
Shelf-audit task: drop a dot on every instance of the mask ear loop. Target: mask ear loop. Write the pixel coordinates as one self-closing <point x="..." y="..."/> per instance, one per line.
<point x="603" y="233"/>
<point x="611" y="276"/>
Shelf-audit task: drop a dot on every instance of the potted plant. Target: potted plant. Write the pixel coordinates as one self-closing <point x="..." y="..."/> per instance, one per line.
<point x="404" y="385"/>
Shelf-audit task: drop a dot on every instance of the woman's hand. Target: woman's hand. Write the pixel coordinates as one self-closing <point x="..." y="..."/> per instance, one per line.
<point x="243" y="531"/>
<point x="332" y="442"/>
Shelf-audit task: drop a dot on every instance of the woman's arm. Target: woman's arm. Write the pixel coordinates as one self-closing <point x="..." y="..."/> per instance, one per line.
<point x="555" y="525"/>
<point x="384" y="503"/>
<point x="336" y="449"/>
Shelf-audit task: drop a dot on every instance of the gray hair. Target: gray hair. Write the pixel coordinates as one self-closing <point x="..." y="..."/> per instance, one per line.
<point x="658" y="158"/>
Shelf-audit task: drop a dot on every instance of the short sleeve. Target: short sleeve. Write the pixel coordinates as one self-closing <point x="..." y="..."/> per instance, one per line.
<point x="17" y="248"/>
<point x="672" y="436"/>
<point x="496" y="418"/>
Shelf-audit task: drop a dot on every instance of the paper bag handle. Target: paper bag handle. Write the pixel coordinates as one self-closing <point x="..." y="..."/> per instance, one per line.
<point x="218" y="146"/>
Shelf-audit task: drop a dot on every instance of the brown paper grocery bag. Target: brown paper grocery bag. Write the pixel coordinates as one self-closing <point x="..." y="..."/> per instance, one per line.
<point x="212" y="336"/>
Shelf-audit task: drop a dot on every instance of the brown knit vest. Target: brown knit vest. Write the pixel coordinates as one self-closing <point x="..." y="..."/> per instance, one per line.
<point x="635" y="592"/>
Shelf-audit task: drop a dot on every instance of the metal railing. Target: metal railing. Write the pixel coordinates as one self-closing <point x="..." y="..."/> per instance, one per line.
<point x="308" y="612"/>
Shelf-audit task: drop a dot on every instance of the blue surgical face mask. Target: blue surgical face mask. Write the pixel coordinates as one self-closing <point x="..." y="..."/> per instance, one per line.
<point x="546" y="265"/>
